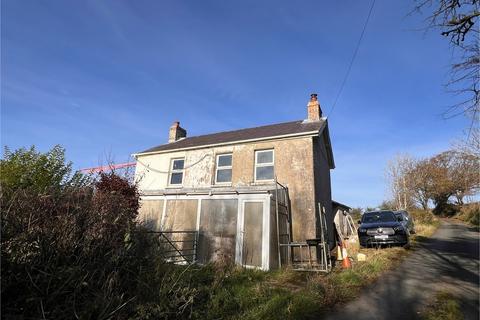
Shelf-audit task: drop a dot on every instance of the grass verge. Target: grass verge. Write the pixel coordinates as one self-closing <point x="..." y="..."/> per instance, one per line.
<point x="444" y="307"/>
<point x="470" y="213"/>
<point x="235" y="293"/>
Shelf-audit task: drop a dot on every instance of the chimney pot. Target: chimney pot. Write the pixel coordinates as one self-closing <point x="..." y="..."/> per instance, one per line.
<point x="314" y="111"/>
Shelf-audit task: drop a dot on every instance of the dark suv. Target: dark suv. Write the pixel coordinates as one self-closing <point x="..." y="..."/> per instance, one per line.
<point x="382" y="228"/>
<point x="407" y="220"/>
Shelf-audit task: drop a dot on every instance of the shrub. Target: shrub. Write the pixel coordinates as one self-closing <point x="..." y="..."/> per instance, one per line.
<point x="422" y="216"/>
<point x="65" y="253"/>
<point x="470" y="213"/>
<point x="68" y="250"/>
<point x="446" y="209"/>
<point x="28" y="169"/>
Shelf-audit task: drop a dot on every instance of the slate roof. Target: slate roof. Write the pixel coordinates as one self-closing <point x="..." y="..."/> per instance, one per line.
<point x="294" y="127"/>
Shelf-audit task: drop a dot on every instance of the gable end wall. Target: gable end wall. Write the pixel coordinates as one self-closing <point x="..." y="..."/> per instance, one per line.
<point x="323" y="191"/>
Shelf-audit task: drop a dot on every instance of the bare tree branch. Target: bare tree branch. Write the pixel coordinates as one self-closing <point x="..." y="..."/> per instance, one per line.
<point x="458" y="21"/>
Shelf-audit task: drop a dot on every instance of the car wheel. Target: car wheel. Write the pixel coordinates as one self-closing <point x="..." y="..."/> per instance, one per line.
<point x="407" y="245"/>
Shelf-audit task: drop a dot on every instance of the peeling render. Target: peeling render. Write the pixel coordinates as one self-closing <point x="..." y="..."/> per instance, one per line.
<point x="293" y="167"/>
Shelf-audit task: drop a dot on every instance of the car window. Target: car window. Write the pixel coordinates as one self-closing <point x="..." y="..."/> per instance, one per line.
<point x="404" y="213"/>
<point x="380" y="216"/>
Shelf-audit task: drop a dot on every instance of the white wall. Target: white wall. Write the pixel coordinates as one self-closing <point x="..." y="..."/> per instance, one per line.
<point x="199" y="168"/>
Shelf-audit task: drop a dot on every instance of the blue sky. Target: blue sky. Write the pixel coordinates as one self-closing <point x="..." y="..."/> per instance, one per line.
<point x="107" y="78"/>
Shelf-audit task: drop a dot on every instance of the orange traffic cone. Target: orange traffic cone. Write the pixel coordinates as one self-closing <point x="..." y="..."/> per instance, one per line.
<point x="344" y="250"/>
<point x="346" y="264"/>
<point x="339" y="253"/>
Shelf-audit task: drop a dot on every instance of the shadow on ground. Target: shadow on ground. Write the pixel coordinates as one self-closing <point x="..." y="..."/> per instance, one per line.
<point x="447" y="261"/>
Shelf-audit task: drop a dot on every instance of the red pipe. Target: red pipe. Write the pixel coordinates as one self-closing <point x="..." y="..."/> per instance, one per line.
<point x="109" y="167"/>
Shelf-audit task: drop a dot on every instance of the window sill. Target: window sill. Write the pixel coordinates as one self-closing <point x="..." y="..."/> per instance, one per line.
<point x="262" y="182"/>
<point x="221" y="185"/>
<point x="174" y="187"/>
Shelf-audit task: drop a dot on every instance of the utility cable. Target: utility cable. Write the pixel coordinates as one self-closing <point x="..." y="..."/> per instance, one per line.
<point x="353" y="59"/>
<point x="166" y="172"/>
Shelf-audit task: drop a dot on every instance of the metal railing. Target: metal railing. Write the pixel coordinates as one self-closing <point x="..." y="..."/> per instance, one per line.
<point x="300" y="260"/>
<point x="177" y="246"/>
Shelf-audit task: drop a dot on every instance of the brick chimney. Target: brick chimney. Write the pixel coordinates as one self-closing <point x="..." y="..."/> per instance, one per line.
<point x="313" y="108"/>
<point x="176" y="132"/>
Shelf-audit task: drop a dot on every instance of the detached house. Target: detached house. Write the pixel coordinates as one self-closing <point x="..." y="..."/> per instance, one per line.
<point x="234" y="188"/>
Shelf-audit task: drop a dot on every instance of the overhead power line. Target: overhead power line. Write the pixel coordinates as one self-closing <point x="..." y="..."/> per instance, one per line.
<point x="353" y="58"/>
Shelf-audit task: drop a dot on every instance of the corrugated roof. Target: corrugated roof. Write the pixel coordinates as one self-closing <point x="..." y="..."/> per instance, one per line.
<point x="280" y="129"/>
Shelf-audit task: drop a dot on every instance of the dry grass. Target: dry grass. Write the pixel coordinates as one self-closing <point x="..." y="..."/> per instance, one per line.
<point x="343" y="285"/>
<point x="444" y="307"/>
<point x="426" y="230"/>
<point x="470" y="213"/>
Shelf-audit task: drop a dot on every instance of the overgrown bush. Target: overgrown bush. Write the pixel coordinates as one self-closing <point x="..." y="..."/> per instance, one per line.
<point x="446" y="209"/>
<point x="470" y="213"/>
<point x="68" y="252"/>
<point x="69" y="249"/>
<point x="422" y="216"/>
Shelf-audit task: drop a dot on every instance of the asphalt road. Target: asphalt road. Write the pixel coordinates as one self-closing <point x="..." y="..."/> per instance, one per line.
<point x="449" y="261"/>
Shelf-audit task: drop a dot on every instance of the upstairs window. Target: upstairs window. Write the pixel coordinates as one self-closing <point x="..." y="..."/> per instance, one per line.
<point x="176" y="171"/>
<point x="264" y="168"/>
<point x="223" y="172"/>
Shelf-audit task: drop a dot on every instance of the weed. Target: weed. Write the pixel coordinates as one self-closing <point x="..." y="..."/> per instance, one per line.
<point x="445" y="307"/>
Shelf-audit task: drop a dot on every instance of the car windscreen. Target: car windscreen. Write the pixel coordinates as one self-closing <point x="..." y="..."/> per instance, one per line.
<point x="372" y="217"/>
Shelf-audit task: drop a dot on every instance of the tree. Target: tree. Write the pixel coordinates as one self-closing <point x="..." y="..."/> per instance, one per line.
<point x="421" y="183"/>
<point x="30" y="169"/>
<point x="465" y="175"/>
<point x="471" y="145"/>
<point x="442" y="185"/>
<point x="450" y="174"/>
<point x="388" y="205"/>
<point x="400" y="181"/>
<point x="456" y="19"/>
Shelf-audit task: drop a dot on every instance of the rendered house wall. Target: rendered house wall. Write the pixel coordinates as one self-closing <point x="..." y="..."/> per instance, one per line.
<point x="293" y="167"/>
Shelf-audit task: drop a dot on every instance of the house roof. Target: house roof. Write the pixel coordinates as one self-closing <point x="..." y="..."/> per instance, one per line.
<point x="258" y="133"/>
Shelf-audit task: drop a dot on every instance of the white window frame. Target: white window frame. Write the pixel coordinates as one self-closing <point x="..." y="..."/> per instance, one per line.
<point x="172" y="171"/>
<point x="223" y="167"/>
<point x="269" y="164"/>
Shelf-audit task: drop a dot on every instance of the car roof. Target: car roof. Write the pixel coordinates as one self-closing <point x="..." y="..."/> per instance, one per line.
<point x="380" y="211"/>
